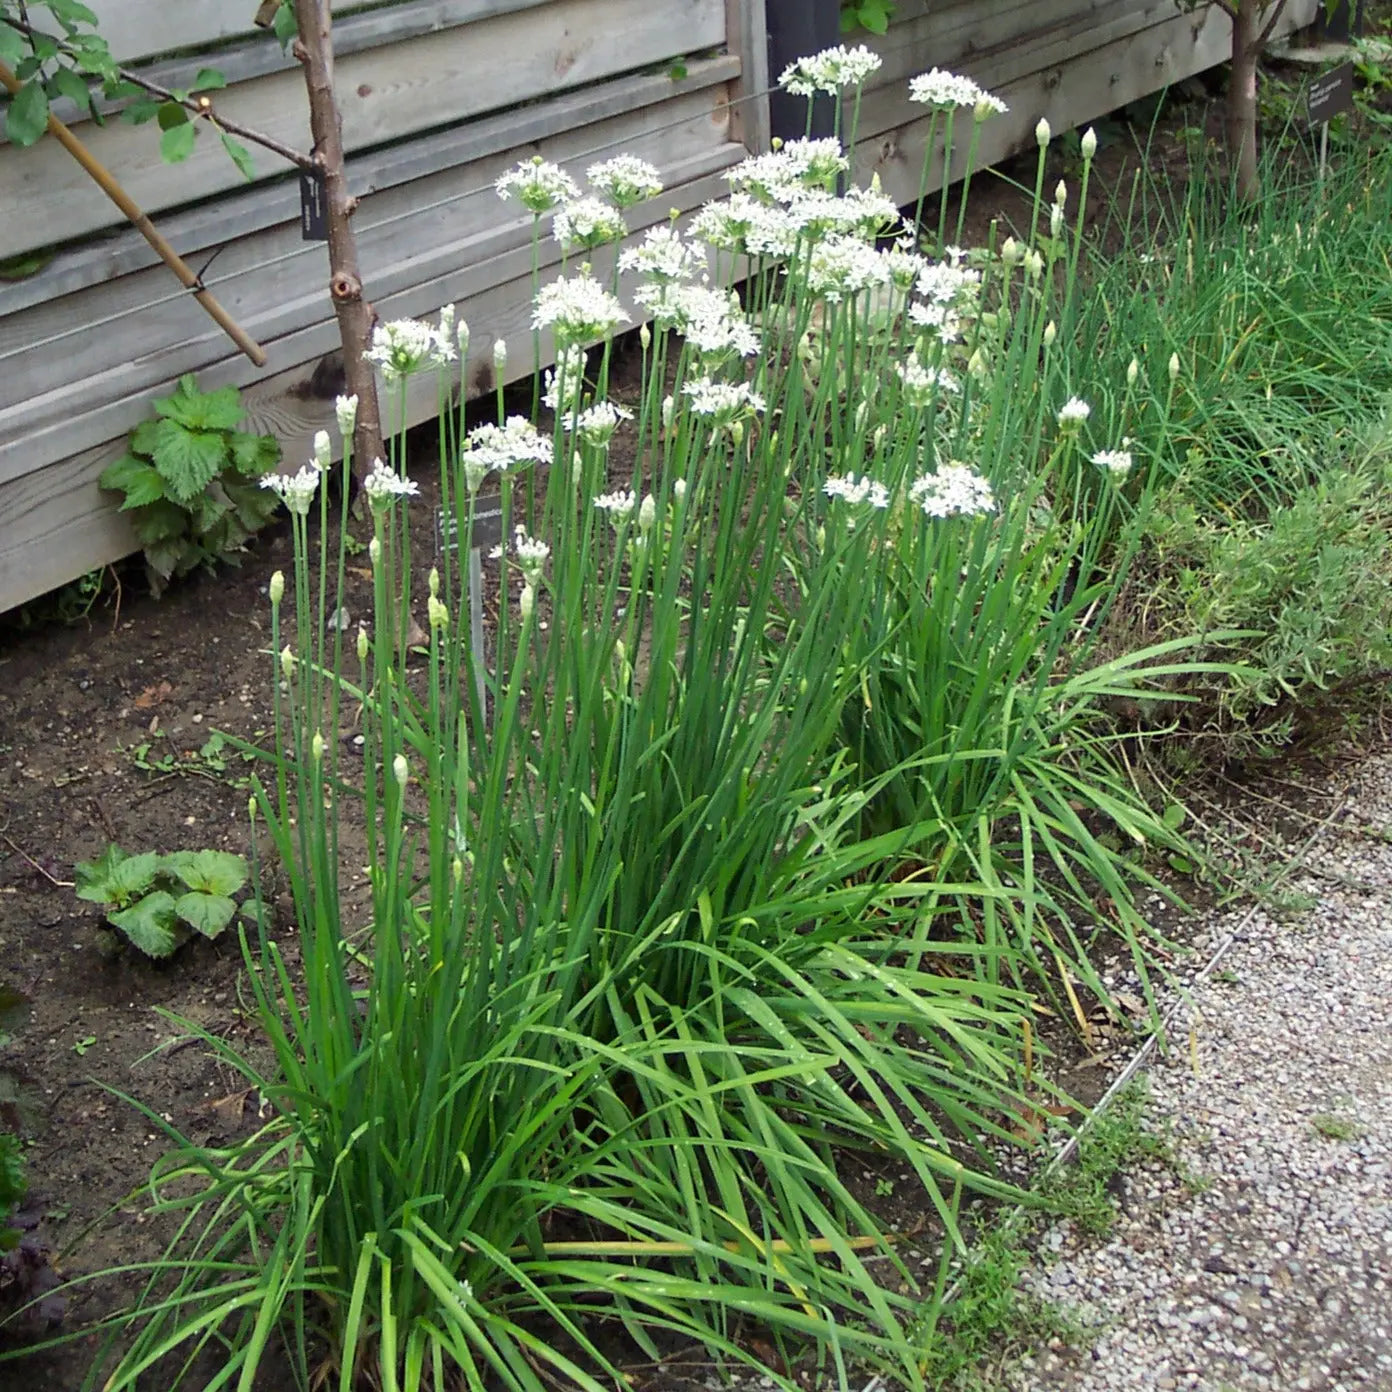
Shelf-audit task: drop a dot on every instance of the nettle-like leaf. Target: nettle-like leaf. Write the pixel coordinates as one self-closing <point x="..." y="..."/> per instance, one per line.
<point x="254" y="456"/>
<point x="188" y="460"/>
<point x="199" y="410"/>
<point x="114" y="877"/>
<point x="152" y="924"/>
<point x="209" y="914"/>
<point x="137" y="478"/>
<point x="211" y="872"/>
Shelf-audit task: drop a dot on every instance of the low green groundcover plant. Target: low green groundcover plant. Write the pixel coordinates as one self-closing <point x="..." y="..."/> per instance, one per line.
<point x="191" y="482"/>
<point x="158" y="901"/>
<point x="778" y="798"/>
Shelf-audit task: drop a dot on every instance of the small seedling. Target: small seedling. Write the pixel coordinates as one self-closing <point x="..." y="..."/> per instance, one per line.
<point x="1227" y="978"/>
<point x="211" y="760"/>
<point x="81" y="1046"/>
<point x="884" y="1188"/>
<point x="157" y="901"/>
<point x="1336" y="1128"/>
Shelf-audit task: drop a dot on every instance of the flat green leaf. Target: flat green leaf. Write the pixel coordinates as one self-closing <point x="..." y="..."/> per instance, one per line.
<point x="199" y="410"/>
<point x="67" y="83"/>
<point x="176" y="144"/>
<point x="209" y="914"/>
<point x="114" y="877"/>
<point x="151" y="925"/>
<point x="172" y="115"/>
<point x="138" y="113"/>
<point x="208" y="80"/>
<point x="188" y="460"/>
<point x="11" y="46"/>
<point x="212" y="872"/>
<point x="254" y="455"/>
<point x="28" y="115"/>
<point x="160" y="521"/>
<point x="240" y="156"/>
<point x="139" y="481"/>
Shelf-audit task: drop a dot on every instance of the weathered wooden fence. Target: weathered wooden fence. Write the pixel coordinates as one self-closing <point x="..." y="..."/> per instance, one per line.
<point x="439" y="97"/>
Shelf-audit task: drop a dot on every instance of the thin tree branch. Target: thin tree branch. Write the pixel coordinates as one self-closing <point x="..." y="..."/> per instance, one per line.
<point x="104" y="180"/>
<point x="1277" y="11"/>
<point x="200" y="103"/>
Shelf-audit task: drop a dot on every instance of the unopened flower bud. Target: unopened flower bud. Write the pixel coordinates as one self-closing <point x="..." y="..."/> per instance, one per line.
<point x="526" y="602"/>
<point x="737" y="433"/>
<point x="346" y="409"/>
<point x="499" y="357"/>
<point x="400" y="770"/>
<point x="1034" y="264"/>
<point x="679" y="490"/>
<point x="1089" y="143"/>
<point x="457" y="869"/>
<point x="323" y="450"/>
<point x="433" y="581"/>
<point x="647" y="513"/>
<point x="374" y="550"/>
<point x="1010" y="251"/>
<point x="984" y="109"/>
<point x="1174" y="367"/>
<point x="1050" y="333"/>
<point x="277" y="587"/>
<point x="669" y="407"/>
<point x="1042" y="133"/>
<point x="976" y="364"/>
<point x="362" y="644"/>
<point x="1061" y="194"/>
<point x="1133" y="372"/>
<point x="287" y="662"/>
<point x="251" y="807"/>
<point x="645" y="337"/>
<point x="447" y="322"/>
<point x="316" y="746"/>
<point x="1055" y="220"/>
<point x="439" y="614"/>
<point x="461" y="337"/>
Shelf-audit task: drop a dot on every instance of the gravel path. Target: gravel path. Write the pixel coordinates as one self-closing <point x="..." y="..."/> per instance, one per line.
<point x="1274" y="1270"/>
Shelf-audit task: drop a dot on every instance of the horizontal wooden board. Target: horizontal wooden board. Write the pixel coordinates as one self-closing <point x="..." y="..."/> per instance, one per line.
<point x="137" y="29"/>
<point x="58" y="524"/>
<point x="273" y="283"/>
<point x="385" y="94"/>
<point x="530" y="130"/>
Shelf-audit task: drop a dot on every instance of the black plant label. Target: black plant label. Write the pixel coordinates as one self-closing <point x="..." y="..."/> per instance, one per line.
<point x="314" y="212"/>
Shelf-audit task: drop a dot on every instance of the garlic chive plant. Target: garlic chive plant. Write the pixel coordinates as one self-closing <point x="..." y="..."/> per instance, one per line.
<point x="784" y="795"/>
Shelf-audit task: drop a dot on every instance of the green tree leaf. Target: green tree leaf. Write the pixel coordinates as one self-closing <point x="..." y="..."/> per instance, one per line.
<point x="67" y="83"/>
<point x="240" y="156"/>
<point x="208" y="80"/>
<point x="212" y="872"/>
<point x="208" y="913"/>
<point x="188" y="460"/>
<point x="151" y="925"/>
<point x="12" y="48"/>
<point x="176" y="144"/>
<point x="28" y="115"/>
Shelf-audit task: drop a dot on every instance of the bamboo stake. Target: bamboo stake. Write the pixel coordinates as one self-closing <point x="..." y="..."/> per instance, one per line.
<point x="102" y="177"/>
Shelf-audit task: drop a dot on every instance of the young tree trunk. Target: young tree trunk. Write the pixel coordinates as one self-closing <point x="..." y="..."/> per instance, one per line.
<point x="1242" y="99"/>
<point x="314" y="49"/>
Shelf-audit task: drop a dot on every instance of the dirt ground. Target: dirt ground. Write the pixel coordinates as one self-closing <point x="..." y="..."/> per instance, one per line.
<point x="101" y="726"/>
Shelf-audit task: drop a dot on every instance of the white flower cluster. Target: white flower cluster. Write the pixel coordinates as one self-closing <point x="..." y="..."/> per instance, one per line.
<point x="531" y="554"/>
<point x="956" y="490"/>
<point x="844" y="266"/>
<point x="566" y="380"/>
<point x="1116" y="461"/>
<point x="663" y="257"/>
<point x="295" y="490"/>
<point x="923" y="384"/>
<point x="498" y="448"/>
<point x="625" y="180"/>
<point x="723" y="402"/>
<point x="384" y="486"/>
<point x="829" y="71"/>
<point x="620" y="506"/>
<point x="577" y="310"/>
<point x="1073" y="413"/>
<point x="783" y="173"/>
<point x="850" y="489"/>
<point x="407" y="346"/>
<point x="538" y="185"/>
<point x="946" y="91"/>
<point x="587" y="223"/>
<point x="596" y="424"/>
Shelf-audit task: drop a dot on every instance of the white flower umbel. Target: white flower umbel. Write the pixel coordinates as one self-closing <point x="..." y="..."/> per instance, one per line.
<point x="346" y="409"/>
<point x="842" y="267"/>
<point x="566" y="380"/>
<point x="779" y="175"/>
<point x="945" y="283"/>
<point x="384" y="486"/>
<point x="956" y="490"/>
<point x="922" y="384"/>
<point x="904" y="264"/>
<point x="531" y="555"/>
<point x="587" y="223"/>
<point x="946" y="91"/>
<point x="940" y="320"/>
<point x="596" y="425"/>
<point x="830" y="71"/>
<point x="538" y="185"/>
<point x="723" y="403"/>
<point x="619" y="506"/>
<point x="850" y="489"/>
<point x="676" y="306"/>
<point x="296" y="490"/>
<point x="663" y="257"/>
<point x="578" y="309"/>
<point x="716" y="337"/>
<point x="625" y="180"/>
<point x="500" y="448"/>
<point x="1113" y="461"/>
<point x="744" y="225"/>
<point x="404" y="347"/>
<point x="1073" y="413"/>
